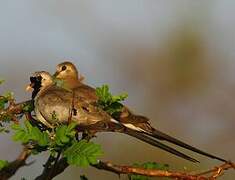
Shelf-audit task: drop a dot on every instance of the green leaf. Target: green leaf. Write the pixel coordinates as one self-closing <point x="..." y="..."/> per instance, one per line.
<point x="71" y="127"/>
<point x="28" y="107"/>
<point x="109" y="103"/>
<point x="15" y="127"/>
<point x="5" y="98"/>
<point x="30" y="133"/>
<point x="83" y="153"/>
<point x="61" y="83"/>
<point x="103" y="94"/>
<point x="64" y="134"/>
<point x="5" y="117"/>
<point x="8" y="95"/>
<point x="120" y="97"/>
<point x="3" y="101"/>
<point x="3" y="164"/>
<point x="147" y="165"/>
<point x="41" y="138"/>
<point x="28" y="126"/>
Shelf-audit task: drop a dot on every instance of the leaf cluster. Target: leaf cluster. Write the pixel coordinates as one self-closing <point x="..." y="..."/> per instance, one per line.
<point x="29" y="133"/>
<point x="29" y="107"/>
<point x="60" y="83"/>
<point x="108" y="102"/>
<point x="61" y="140"/>
<point x="5" y="98"/>
<point x="83" y="153"/>
<point x="2" y="81"/>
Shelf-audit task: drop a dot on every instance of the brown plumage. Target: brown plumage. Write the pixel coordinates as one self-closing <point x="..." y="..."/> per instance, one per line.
<point x="68" y="72"/>
<point x="55" y="105"/>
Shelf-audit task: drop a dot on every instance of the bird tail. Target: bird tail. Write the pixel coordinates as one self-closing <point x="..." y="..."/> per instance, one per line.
<point x="158" y="144"/>
<point x="115" y="126"/>
<point x="162" y="136"/>
<point x="144" y="127"/>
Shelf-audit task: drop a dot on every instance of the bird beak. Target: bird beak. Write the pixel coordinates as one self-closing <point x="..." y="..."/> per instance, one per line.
<point x="56" y="74"/>
<point x="29" y="88"/>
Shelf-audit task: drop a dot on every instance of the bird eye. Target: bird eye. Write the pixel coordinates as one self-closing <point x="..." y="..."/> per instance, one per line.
<point x="64" y="68"/>
<point x="39" y="78"/>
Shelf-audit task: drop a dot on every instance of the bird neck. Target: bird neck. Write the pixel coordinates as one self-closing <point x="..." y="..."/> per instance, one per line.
<point x="73" y="82"/>
<point x="40" y="90"/>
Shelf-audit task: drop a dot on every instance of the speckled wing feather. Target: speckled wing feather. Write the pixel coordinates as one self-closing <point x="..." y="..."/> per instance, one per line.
<point x="54" y="104"/>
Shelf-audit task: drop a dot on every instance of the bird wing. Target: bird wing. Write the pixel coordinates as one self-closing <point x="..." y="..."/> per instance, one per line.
<point x="58" y="105"/>
<point x="86" y="92"/>
<point x="54" y="104"/>
<point x="88" y="114"/>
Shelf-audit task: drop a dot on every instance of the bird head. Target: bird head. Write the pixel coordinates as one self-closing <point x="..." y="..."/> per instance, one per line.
<point x="66" y="70"/>
<point x="39" y="81"/>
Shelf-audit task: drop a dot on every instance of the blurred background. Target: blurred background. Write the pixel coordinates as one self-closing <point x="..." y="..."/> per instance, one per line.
<point x="174" y="58"/>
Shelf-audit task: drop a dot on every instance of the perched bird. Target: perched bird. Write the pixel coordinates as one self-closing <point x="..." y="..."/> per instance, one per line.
<point x="54" y="105"/>
<point x="68" y="72"/>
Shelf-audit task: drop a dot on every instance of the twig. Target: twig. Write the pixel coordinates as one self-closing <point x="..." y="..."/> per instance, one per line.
<point x="47" y="169"/>
<point x="162" y="173"/>
<point x="14" y="109"/>
<point x="13" y="166"/>
<point x="118" y="169"/>
<point x="50" y="173"/>
<point x="218" y="171"/>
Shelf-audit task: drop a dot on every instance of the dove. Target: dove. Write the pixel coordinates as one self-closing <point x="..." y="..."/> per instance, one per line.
<point x="54" y="105"/>
<point x="68" y="73"/>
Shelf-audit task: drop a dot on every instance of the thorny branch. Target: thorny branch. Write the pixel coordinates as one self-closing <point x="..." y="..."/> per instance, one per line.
<point x="57" y="168"/>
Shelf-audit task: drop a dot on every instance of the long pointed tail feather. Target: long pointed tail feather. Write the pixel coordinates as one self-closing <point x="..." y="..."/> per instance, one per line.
<point x="115" y="126"/>
<point x="162" y="136"/>
<point x="158" y="144"/>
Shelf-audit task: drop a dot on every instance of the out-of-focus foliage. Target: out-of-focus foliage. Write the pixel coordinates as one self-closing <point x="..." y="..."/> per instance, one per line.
<point x="3" y="164"/>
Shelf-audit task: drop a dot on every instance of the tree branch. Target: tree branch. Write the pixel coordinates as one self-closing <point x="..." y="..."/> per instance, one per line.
<point x="51" y="172"/>
<point x="13" y="166"/>
<point x="216" y="171"/>
<point x="14" y="109"/>
<point x="118" y="169"/>
<point x="57" y="168"/>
